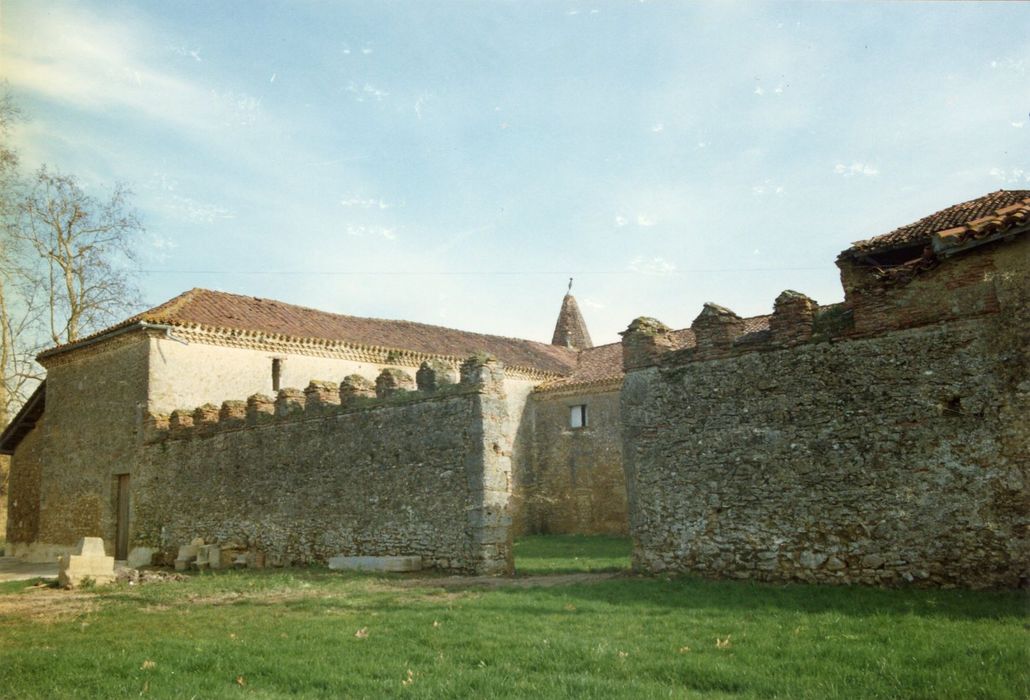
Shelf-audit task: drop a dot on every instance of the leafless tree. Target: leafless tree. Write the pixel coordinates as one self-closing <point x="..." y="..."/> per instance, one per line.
<point x="18" y="311"/>
<point x="85" y="250"/>
<point x="66" y="264"/>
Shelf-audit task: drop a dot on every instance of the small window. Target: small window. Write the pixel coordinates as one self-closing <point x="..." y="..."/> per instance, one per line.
<point x="277" y="373"/>
<point x="578" y="417"/>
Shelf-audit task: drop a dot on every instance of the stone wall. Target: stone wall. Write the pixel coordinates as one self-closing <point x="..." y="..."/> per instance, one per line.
<point x="575" y="483"/>
<point x="63" y="473"/>
<point x="23" y="490"/>
<point x="854" y="457"/>
<point x="304" y="478"/>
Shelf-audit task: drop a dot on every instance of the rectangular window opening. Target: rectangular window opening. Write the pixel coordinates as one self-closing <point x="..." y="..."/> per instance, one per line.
<point x="277" y="373"/>
<point x="578" y="416"/>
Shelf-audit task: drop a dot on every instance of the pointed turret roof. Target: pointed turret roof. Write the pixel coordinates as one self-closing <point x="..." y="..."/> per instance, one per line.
<point x="571" y="330"/>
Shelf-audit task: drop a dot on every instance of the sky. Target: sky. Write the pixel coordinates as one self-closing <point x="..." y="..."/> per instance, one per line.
<point x="455" y="163"/>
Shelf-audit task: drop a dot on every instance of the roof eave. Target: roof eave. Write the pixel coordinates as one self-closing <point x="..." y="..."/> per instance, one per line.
<point x="24" y="421"/>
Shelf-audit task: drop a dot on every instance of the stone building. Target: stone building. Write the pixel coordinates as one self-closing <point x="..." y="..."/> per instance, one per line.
<point x="293" y="435"/>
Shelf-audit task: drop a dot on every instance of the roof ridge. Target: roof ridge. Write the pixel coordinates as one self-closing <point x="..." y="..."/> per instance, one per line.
<point x="219" y="311"/>
<point x="181" y="300"/>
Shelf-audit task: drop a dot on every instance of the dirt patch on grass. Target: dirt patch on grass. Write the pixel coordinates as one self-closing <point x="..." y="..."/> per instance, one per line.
<point x="264" y="597"/>
<point x="45" y="604"/>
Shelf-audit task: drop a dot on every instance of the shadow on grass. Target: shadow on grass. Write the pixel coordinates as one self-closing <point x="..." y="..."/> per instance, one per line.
<point x="629" y="591"/>
<point x="756" y="597"/>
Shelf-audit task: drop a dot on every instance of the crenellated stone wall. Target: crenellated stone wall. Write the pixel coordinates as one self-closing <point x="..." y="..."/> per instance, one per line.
<point x="838" y="448"/>
<point x="359" y="468"/>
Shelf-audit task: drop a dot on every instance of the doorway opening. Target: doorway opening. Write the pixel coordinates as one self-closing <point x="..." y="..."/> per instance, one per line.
<point x="121" y="548"/>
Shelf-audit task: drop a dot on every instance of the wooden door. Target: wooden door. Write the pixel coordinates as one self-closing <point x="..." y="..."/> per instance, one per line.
<point x="122" y="540"/>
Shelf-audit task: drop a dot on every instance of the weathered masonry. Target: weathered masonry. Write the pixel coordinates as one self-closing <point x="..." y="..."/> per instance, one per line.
<point x="882" y="440"/>
<point x="355" y="469"/>
<point x="85" y="446"/>
<point x="878" y="440"/>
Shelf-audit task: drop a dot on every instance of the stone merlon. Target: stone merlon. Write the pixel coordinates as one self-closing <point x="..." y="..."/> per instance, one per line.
<point x="643" y="342"/>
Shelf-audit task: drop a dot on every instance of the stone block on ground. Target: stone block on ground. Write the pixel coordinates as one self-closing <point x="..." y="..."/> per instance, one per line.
<point x="188" y="554"/>
<point x="89" y="562"/>
<point x="384" y="564"/>
<point x="213" y="554"/>
<point x="140" y="556"/>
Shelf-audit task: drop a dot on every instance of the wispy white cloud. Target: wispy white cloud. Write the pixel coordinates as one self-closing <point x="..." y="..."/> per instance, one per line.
<point x="364" y="203"/>
<point x="159" y="242"/>
<point x="78" y="59"/>
<point x="644" y="220"/>
<point x="1013" y="64"/>
<point x="187" y="52"/>
<point x="658" y="128"/>
<point x="420" y="103"/>
<point x="591" y="303"/>
<point x="778" y="90"/>
<point x="856" y="168"/>
<point x="1010" y="177"/>
<point x="366" y="92"/>
<point x="767" y="187"/>
<point x="238" y="108"/>
<point x="190" y="209"/>
<point x="182" y="206"/>
<point x="362" y="231"/>
<point x="657" y="266"/>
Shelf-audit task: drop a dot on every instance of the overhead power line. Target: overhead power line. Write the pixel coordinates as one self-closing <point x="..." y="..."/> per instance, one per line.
<point x="485" y="273"/>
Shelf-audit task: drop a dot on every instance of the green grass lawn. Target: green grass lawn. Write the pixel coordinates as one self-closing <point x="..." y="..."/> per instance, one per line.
<point x="559" y="554"/>
<point x="312" y="633"/>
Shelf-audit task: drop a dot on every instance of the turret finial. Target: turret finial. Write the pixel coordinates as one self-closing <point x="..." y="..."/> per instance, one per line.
<point x="571" y="331"/>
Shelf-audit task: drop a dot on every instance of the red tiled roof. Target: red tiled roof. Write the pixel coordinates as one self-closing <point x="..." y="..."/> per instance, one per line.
<point x="957" y="215"/>
<point x="220" y="310"/>
<point x="595" y="365"/>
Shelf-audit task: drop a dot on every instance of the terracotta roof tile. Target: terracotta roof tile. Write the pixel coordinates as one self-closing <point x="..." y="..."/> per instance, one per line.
<point x="955" y="216"/>
<point x="220" y="310"/>
<point x="595" y="364"/>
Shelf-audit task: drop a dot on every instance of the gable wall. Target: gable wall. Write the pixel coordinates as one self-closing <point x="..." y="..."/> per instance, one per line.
<point x="90" y="433"/>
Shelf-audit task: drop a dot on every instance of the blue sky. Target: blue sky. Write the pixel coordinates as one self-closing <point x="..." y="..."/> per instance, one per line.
<point x="455" y="162"/>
